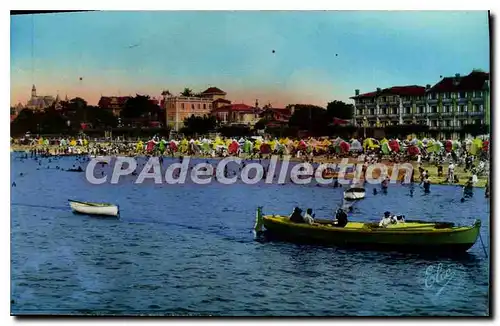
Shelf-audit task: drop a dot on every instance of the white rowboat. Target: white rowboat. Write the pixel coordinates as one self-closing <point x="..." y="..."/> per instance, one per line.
<point x="354" y="193"/>
<point x="101" y="209"/>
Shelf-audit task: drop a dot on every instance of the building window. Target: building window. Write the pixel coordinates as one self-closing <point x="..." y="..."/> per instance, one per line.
<point x="192" y="107"/>
<point x="204" y="106"/>
<point x="461" y="95"/>
<point x="372" y="111"/>
<point x="210" y="106"/>
<point x="384" y="111"/>
<point x="394" y="111"/>
<point x="479" y="94"/>
<point x="407" y="110"/>
<point x="477" y="121"/>
<point x="182" y="105"/>
<point x="434" y="109"/>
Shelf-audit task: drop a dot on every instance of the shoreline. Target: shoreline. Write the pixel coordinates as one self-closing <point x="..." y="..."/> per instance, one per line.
<point x="435" y="180"/>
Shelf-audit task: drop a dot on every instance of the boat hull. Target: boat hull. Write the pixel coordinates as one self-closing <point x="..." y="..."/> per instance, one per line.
<point x="354" y="194"/>
<point x="98" y="210"/>
<point x="411" y="238"/>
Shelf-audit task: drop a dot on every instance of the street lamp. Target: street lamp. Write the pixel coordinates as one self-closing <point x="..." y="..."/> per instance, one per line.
<point x="365" y="122"/>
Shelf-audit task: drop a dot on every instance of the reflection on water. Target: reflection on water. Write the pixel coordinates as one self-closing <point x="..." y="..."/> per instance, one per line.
<point x="190" y="249"/>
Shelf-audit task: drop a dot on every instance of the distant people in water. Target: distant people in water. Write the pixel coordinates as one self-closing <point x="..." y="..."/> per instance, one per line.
<point x="427" y="185"/>
<point x="374" y="191"/>
<point x="468" y="188"/>
<point x="14" y="184"/>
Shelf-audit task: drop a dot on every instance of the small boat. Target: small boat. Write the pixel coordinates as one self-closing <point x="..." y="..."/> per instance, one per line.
<point x="354" y="193"/>
<point x="412" y="236"/>
<point x="100" y="209"/>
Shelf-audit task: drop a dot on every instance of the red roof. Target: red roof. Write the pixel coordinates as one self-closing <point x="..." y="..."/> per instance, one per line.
<point x="235" y="108"/>
<point x="221" y="100"/>
<point x="473" y="81"/>
<point x="214" y="90"/>
<point x="106" y="101"/>
<point x="337" y="121"/>
<point x="411" y="90"/>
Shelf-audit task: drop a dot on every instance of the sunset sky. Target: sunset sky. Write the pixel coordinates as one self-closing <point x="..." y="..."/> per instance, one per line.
<point x="319" y="56"/>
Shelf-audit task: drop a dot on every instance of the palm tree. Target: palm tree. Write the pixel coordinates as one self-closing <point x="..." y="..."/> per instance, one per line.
<point x="166" y="93"/>
<point x="187" y="92"/>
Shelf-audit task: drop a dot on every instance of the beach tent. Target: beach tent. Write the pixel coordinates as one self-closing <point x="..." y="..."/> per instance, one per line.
<point x="344" y="146"/>
<point x="265" y="148"/>
<point x="183" y="145"/>
<point x="139" y="147"/>
<point x="394" y="145"/>
<point x="151" y="145"/>
<point x="413" y="150"/>
<point x="486" y="146"/>
<point x="248" y="147"/>
<point x="371" y="143"/>
<point x="233" y="147"/>
<point x="448" y="145"/>
<point x="356" y="146"/>
<point x="476" y="146"/>
<point x="385" y="148"/>
<point x="302" y="145"/>
<point x="173" y="146"/>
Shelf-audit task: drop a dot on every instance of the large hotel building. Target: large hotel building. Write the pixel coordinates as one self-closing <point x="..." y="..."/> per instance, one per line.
<point x="445" y="107"/>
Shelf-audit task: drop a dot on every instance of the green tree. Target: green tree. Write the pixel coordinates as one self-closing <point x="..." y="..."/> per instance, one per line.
<point x="309" y="117"/>
<point x="339" y="109"/>
<point x="199" y="125"/>
<point x="187" y="92"/>
<point x="139" y="106"/>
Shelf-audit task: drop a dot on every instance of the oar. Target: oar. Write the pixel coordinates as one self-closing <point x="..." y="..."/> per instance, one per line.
<point x="482" y="243"/>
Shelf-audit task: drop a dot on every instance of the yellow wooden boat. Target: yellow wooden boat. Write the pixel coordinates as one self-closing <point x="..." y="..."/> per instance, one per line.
<point x="414" y="236"/>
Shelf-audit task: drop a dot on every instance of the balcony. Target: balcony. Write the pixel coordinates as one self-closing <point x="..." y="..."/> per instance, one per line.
<point x="476" y="113"/>
<point x="446" y="114"/>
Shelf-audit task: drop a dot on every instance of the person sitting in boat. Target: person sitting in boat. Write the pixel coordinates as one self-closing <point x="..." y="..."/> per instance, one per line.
<point x="309" y="216"/>
<point x="386" y="220"/>
<point x="399" y="219"/>
<point x="296" y="216"/>
<point x="340" y="218"/>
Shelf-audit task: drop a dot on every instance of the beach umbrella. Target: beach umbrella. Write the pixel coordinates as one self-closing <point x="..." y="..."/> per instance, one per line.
<point x="448" y="146"/>
<point x="233" y="147"/>
<point x="173" y="146"/>
<point x="385" y="148"/>
<point x="394" y="145"/>
<point x="413" y="150"/>
<point x="476" y="146"/>
<point x="265" y="148"/>
<point x="150" y="146"/>
<point x="344" y="146"/>
<point x="302" y="145"/>
<point x="356" y="145"/>
<point x="383" y="141"/>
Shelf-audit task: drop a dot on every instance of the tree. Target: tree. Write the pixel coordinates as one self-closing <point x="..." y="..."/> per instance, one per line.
<point x="139" y="106"/>
<point x="261" y="124"/>
<point x="339" y="109"/>
<point x="198" y="125"/>
<point x="101" y="118"/>
<point x="309" y="117"/>
<point x="187" y="92"/>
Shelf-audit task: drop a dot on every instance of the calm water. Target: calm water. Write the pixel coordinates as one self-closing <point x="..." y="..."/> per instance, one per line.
<point x="190" y="249"/>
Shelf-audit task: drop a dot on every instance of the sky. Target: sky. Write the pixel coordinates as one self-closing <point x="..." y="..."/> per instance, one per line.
<point x="319" y="56"/>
